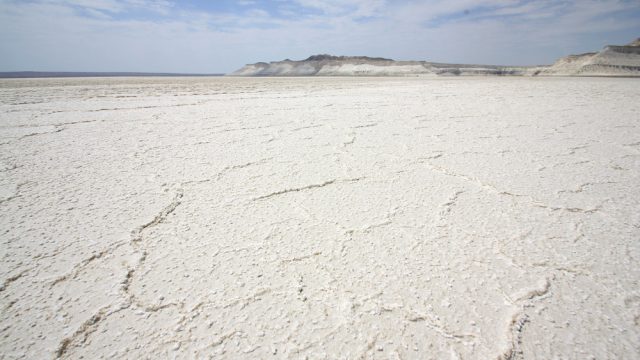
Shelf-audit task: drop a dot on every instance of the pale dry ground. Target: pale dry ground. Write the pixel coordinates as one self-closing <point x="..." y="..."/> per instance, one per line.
<point x="472" y="218"/>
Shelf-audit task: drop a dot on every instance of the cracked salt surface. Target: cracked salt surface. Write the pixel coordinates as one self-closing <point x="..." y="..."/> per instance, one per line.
<point x="473" y="218"/>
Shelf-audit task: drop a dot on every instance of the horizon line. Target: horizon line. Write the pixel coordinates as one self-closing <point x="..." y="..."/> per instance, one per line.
<point x="23" y="74"/>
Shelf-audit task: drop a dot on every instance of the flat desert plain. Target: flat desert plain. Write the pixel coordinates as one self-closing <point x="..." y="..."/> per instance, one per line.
<point x="320" y="218"/>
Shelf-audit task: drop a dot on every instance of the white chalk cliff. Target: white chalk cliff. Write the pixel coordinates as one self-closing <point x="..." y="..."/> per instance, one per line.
<point x="611" y="61"/>
<point x="328" y="65"/>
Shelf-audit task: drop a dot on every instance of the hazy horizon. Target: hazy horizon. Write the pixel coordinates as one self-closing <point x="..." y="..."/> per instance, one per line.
<point x="210" y="38"/>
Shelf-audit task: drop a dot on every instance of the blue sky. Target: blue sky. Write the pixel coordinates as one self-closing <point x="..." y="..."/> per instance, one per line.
<point x="221" y="36"/>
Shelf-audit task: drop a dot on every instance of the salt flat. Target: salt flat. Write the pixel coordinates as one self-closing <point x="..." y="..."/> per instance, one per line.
<point x="337" y="218"/>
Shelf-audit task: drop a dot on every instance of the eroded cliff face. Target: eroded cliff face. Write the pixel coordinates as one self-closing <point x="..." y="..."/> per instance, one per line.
<point x="612" y="60"/>
<point x="327" y="65"/>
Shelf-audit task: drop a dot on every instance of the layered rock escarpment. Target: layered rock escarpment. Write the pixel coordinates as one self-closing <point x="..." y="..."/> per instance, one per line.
<point x="328" y="65"/>
<point x="612" y="60"/>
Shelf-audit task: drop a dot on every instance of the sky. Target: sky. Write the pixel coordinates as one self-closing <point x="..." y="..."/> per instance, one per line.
<point x="220" y="36"/>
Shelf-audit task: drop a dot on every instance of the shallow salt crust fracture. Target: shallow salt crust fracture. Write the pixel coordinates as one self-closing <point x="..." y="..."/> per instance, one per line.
<point x="337" y="218"/>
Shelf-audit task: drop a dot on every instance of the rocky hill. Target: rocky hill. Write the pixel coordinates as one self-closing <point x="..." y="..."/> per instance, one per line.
<point x="611" y="61"/>
<point x="328" y="65"/>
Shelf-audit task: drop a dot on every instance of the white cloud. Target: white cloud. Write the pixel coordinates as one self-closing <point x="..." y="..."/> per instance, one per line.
<point x="117" y="6"/>
<point x="357" y="8"/>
